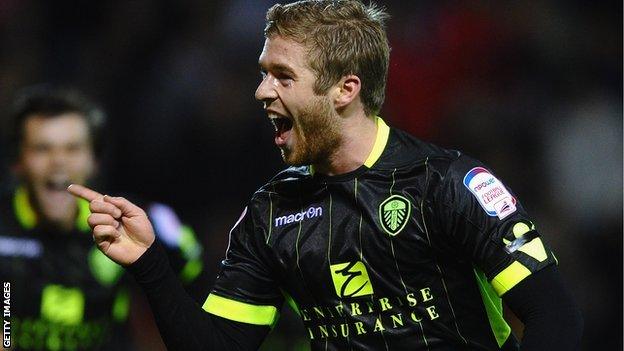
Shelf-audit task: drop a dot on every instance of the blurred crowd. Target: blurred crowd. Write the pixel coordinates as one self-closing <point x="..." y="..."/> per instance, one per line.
<point x="531" y="88"/>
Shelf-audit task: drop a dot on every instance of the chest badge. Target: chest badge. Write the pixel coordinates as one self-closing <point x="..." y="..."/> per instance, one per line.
<point x="394" y="213"/>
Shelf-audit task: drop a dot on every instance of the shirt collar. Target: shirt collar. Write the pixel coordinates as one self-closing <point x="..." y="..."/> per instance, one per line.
<point x="383" y="131"/>
<point x="381" y="139"/>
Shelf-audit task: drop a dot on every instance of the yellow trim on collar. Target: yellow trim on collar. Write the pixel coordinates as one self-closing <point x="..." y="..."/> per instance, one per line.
<point x="25" y="214"/>
<point x="83" y="215"/>
<point x="381" y="139"/>
<point x="28" y="218"/>
<point x="383" y="131"/>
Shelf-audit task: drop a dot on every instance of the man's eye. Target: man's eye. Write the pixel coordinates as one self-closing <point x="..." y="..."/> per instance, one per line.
<point x="74" y="148"/>
<point x="284" y="79"/>
<point x="282" y="76"/>
<point x="40" y="148"/>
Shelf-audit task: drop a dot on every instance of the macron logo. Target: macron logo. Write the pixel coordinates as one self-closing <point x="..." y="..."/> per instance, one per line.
<point x="311" y="212"/>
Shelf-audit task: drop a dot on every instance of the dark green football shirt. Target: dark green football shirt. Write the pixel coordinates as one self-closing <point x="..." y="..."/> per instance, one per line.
<point x="411" y="251"/>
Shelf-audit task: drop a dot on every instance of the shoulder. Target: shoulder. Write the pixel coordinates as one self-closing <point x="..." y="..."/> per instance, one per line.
<point x="404" y="149"/>
<point x="446" y="167"/>
<point x="287" y="181"/>
<point x="8" y="215"/>
<point x="286" y="185"/>
<point x="289" y="175"/>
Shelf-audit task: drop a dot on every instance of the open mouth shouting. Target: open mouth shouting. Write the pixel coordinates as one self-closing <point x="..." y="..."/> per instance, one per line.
<point x="52" y="197"/>
<point x="57" y="184"/>
<point x="283" y="128"/>
<point x="54" y="190"/>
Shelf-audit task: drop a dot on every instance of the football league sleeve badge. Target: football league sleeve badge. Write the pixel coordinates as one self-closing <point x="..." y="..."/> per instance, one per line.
<point x="490" y="192"/>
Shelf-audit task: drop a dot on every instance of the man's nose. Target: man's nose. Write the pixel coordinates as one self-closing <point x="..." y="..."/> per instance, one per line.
<point x="266" y="89"/>
<point x="59" y="157"/>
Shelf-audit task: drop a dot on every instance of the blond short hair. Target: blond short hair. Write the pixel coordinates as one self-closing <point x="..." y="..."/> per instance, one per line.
<point x="343" y="37"/>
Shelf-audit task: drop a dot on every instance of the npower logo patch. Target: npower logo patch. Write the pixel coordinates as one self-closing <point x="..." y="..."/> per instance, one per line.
<point x="490" y="192"/>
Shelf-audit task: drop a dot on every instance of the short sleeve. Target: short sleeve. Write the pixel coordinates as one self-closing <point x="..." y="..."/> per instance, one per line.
<point x="246" y="290"/>
<point x="488" y="226"/>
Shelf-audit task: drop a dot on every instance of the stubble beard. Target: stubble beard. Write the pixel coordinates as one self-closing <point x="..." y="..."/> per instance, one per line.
<point x="317" y="132"/>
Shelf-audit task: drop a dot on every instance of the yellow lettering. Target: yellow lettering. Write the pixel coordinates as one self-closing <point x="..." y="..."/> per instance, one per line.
<point x="370" y="306"/>
<point x="426" y="294"/>
<point x="344" y="330"/>
<point x="359" y="327"/>
<point x="432" y="312"/>
<point x="378" y="325"/>
<point x="339" y="309"/>
<point x="397" y="319"/>
<point x="304" y="314"/>
<point x="334" y="331"/>
<point x="319" y="312"/>
<point x="310" y="332"/>
<point x="355" y="309"/>
<point x="385" y="305"/>
<point x="411" y="300"/>
<point x="329" y="312"/>
<point x="324" y="332"/>
<point x="415" y="317"/>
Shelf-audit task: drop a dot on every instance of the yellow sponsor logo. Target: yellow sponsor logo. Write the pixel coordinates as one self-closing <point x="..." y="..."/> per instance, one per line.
<point x="351" y="279"/>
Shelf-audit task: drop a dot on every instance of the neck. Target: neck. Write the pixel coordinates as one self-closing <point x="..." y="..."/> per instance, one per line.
<point x="65" y="222"/>
<point x="63" y="225"/>
<point x="358" y="138"/>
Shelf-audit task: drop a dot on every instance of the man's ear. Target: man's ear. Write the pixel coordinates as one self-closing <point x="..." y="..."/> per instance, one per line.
<point x="348" y="89"/>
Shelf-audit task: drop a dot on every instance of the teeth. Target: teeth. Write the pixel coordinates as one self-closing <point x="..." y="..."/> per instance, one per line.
<point x="280" y="122"/>
<point x="275" y="115"/>
<point x="274" y="122"/>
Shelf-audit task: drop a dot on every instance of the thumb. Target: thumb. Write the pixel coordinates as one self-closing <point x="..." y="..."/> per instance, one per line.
<point x="128" y="209"/>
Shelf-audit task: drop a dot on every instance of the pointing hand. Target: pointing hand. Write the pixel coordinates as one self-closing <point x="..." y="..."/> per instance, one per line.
<point x="121" y="230"/>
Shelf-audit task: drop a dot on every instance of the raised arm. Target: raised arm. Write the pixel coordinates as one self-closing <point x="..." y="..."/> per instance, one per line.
<point x="122" y="231"/>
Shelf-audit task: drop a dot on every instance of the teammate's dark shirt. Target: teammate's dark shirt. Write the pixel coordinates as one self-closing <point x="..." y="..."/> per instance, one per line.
<point x="64" y="293"/>
<point x="411" y="251"/>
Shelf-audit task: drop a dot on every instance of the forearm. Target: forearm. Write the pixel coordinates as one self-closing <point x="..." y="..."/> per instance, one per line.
<point x="552" y="321"/>
<point x="182" y="323"/>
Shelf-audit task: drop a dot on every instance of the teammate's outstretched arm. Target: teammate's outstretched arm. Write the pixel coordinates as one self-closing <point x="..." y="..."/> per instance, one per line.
<point x="123" y="232"/>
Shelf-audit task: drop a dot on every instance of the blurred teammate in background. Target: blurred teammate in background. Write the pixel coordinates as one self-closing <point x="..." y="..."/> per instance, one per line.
<point x="379" y="240"/>
<point x="66" y="295"/>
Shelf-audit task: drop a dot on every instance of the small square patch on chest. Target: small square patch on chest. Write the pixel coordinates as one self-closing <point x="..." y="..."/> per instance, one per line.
<point x="351" y="279"/>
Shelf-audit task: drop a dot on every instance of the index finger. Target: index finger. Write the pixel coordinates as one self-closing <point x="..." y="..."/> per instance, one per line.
<point x="84" y="192"/>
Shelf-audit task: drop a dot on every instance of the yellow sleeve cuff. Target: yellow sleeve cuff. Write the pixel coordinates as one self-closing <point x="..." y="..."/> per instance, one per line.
<point x="509" y="277"/>
<point x="240" y="311"/>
